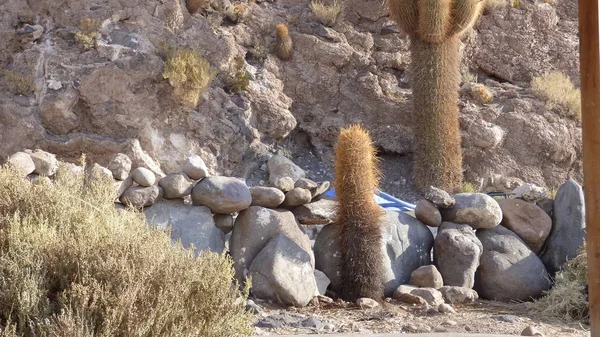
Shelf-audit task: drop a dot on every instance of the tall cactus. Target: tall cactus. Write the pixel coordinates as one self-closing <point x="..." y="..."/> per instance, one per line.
<point x="435" y="28"/>
<point x="358" y="216"/>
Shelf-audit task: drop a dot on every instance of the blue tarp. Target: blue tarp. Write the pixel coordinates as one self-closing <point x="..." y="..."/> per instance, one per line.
<point x="386" y="201"/>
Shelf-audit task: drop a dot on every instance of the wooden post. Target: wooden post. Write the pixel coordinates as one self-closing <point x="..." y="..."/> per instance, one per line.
<point x="590" y="103"/>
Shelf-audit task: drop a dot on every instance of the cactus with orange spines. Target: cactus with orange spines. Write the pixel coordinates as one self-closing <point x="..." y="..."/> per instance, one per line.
<point x="358" y="216"/>
<point x="283" y="47"/>
<point x="435" y="28"/>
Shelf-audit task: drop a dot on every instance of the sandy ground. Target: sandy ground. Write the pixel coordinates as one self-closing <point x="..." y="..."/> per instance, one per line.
<point x="396" y="317"/>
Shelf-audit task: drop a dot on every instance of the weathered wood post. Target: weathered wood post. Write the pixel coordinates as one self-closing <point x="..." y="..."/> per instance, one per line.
<point x="589" y="49"/>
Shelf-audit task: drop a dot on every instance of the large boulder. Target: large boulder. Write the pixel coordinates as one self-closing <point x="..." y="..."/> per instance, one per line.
<point x="456" y="254"/>
<point x="143" y="176"/>
<point x="439" y="197"/>
<point x="283" y="272"/>
<point x="528" y="221"/>
<point x="427" y="213"/>
<point x="194" y="167"/>
<point x="297" y="196"/>
<point x="280" y="168"/>
<point x="253" y="229"/>
<point x="193" y="225"/>
<point x="475" y="209"/>
<point x="568" y="230"/>
<point x="222" y="194"/>
<point x="509" y="270"/>
<point x="406" y="246"/>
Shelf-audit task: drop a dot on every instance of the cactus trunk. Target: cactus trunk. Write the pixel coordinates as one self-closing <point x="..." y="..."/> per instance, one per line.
<point x="435" y="80"/>
<point x="358" y="216"/>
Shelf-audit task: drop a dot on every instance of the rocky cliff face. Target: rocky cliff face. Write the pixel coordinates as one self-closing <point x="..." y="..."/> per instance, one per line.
<point x="112" y="98"/>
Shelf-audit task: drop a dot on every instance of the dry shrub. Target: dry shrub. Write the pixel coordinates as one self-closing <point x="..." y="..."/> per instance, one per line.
<point x="283" y="46"/>
<point x="567" y="301"/>
<point x="19" y="83"/>
<point x="72" y="265"/>
<point x="189" y="74"/>
<point x="327" y="14"/>
<point x="87" y="34"/>
<point x="238" y="13"/>
<point x="557" y="90"/>
<point x="195" y="6"/>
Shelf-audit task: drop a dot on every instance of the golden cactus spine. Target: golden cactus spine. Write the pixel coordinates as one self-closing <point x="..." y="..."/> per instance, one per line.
<point x="358" y="216"/>
<point x="435" y="28"/>
<point x="283" y="47"/>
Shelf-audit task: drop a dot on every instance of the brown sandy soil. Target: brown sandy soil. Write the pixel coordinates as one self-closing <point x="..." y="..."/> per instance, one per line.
<point x="396" y="317"/>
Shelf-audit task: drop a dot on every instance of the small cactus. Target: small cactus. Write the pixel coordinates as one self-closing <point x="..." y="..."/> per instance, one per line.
<point x="358" y="216"/>
<point x="284" y="42"/>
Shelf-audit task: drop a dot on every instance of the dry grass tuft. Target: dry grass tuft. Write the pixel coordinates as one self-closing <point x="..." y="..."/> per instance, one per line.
<point x="327" y="14"/>
<point x="492" y="5"/>
<point x="73" y="265"/>
<point x="567" y="300"/>
<point x="18" y="83"/>
<point x="87" y="34"/>
<point x="189" y="74"/>
<point x="557" y="90"/>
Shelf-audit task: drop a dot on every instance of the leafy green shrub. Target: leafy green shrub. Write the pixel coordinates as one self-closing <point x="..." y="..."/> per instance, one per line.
<point x="327" y="14"/>
<point x="557" y="89"/>
<point x="567" y="300"/>
<point x="73" y="265"/>
<point x="87" y="34"/>
<point x="239" y="78"/>
<point x="19" y="83"/>
<point x="189" y="74"/>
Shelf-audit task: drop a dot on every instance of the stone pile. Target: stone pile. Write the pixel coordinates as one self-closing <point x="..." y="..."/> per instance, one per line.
<point x="283" y="235"/>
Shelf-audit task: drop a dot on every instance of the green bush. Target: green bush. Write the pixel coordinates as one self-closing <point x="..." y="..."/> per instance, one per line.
<point x="239" y="78"/>
<point x="73" y="265"/>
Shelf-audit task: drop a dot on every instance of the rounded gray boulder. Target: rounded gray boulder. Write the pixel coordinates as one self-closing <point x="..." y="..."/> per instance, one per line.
<point x="223" y="195"/>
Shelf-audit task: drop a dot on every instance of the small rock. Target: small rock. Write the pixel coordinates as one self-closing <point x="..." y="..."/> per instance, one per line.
<point x="176" y="185"/>
<point x="311" y="323"/>
<point x="306" y="184"/>
<point x="280" y="320"/>
<point x="428" y="214"/>
<point x="449" y="322"/>
<point x="416" y="328"/>
<point x="281" y="167"/>
<point x="320" y="212"/>
<point x="224" y="222"/>
<point x="269" y="197"/>
<point x="531" y="331"/>
<point x="101" y="171"/>
<point x="403" y="294"/>
<point x="284" y="184"/>
<point x="297" y="197"/>
<point x="458" y="295"/>
<point x="120" y="166"/>
<point x="446" y="309"/>
<point x="223" y="195"/>
<point x="143" y="176"/>
<point x="23" y="162"/>
<point x="322" y="188"/>
<point x="475" y="209"/>
<point x="506" y="318"/>
<point x="253" y="307"/>
<point x="432" y="296"/>
<point x="329" y="327"/>
<point x="457" y="251"/>
<point x="439" y="197"/>
<point x="195" y="168"/>
<point x="426" y="277"/>
<point x="45" y="163"/>
<point x="140" y="196"/>
<point x="283" y="271"/>
<point x="324" y="299"/>
<point x="367" y="303"/>
<point x="528" y="221"/>
<point x="530" y="192"/>
<point x="322" y="282"/>
<point x="432" y="311"/>
<point x="54" y="84"/>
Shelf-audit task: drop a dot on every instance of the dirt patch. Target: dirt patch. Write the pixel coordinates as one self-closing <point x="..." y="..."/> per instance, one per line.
<point x="397" y="317"/>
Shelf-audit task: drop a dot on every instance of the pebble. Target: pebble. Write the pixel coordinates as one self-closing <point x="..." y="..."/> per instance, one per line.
<point x="367" y="303"/>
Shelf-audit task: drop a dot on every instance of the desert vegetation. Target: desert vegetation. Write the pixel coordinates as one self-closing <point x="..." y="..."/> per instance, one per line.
<point x="327" y="14"/>
<point x="283" y="46"/>
<point x="189" y="74"/>
<point x="87" y="34"/>
<point x="73" y="265"/>
<point x="19" y="83"/>
<point x="558" y="90"/>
